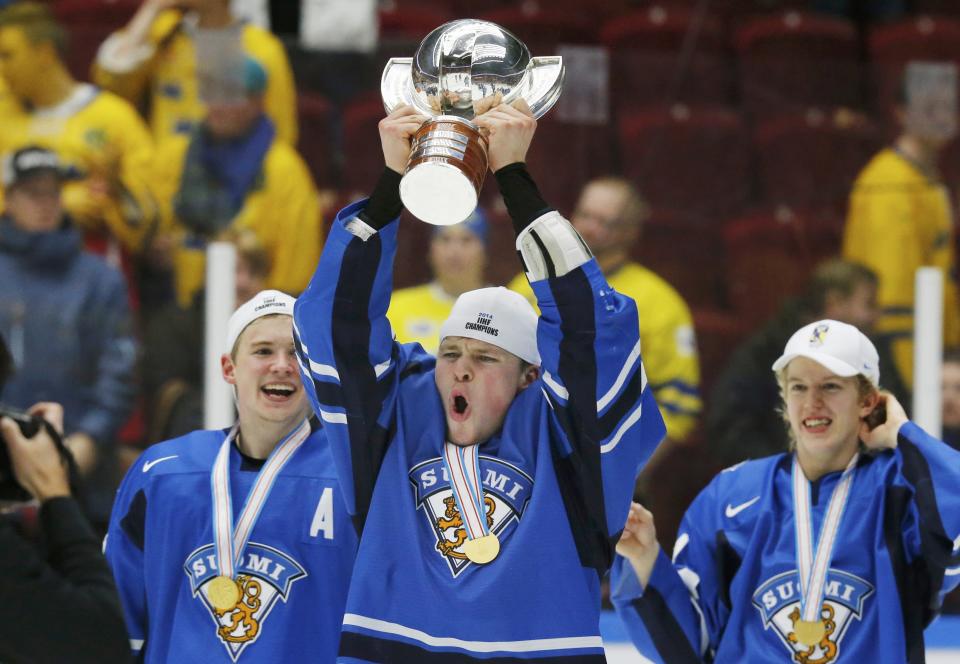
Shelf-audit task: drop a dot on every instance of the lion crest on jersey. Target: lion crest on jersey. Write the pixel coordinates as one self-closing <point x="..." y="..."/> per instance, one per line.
<point x="506" y="491"/>
<point x="778" y="601"/>
<point x="264" y="576"/>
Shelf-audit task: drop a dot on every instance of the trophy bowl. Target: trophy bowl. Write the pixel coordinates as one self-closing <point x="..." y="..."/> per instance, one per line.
<point x="461" y="70"/>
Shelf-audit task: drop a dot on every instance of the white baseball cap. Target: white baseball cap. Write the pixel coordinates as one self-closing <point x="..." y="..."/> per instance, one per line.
<point x="498" y="316"/>
<point x="840" y="347"/>
<point x="264" y="303"/>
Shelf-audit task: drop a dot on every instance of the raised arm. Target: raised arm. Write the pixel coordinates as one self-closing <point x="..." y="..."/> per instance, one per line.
<point x="930" y="470"/>
<point x="588" y="338"/>
<point x="348" y="359"/>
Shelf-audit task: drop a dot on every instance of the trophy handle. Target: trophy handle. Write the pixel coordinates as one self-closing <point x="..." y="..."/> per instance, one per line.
<point x="544" y="84"/>
<point x="396" y="85"/>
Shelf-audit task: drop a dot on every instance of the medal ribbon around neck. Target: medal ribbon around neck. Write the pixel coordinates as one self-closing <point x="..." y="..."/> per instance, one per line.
<point x="229" y="542"/>
<point x="812" y="566"/>
<point x="463" y="467"/>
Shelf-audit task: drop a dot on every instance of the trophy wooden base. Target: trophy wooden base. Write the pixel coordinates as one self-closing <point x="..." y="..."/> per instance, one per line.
<point x="445" y="172"/>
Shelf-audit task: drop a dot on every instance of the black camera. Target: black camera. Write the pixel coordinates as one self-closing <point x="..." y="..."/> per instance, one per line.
<point x="30" y="425"/>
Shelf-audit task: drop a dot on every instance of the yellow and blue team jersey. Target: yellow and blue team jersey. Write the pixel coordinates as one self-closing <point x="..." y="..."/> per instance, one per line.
<point x="104" y="139"/>
<point x="900" y="220"/>
<point x="168" y="77"/>
<point x="417" y="313"/>
<point x="557" y="478"/>
<point x="282" y="208"/>
<point x="732" y="591"/>
<point x="667" y="339"/>
<point x="294" y="571"/>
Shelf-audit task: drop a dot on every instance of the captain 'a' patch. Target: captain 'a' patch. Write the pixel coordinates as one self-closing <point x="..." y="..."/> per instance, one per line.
<point x="506" y="491"/>
<point x="778" y="601"/>
<point x="264" y="575"/>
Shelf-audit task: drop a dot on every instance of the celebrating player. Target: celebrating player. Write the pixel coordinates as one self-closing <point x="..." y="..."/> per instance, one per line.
<point x="846" y="545"/>
<point x="489" y="481"/>
<point x="236" y="542"/>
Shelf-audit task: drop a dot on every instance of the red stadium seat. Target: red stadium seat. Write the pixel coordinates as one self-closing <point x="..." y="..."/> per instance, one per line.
<point x="111" y="14"/>
<point x="688" y="159"/>
<point x="564" y="156"/>
<point x="769" y="258"/>
<point x="718" y="333"/>
<point x="543" y="30"/>
<point x="362" y="155"/>
<point x="671" y="243"/>
<point x="811" y="159"/>
<point x="403" y="27"/>
<point x="893" y="45"/>
<point x="82" y="49"/>
<point x="792" y="60"/>
<point x="937" y="7"/>
<point x="315" y="145"/>
<point x="649" y="64"/>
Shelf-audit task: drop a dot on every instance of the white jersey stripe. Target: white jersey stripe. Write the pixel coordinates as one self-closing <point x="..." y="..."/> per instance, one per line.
<point x="533" y="645"/>
<point x="621" y="379"/>
<point x="324" y="370"/>
<point x="136" y="644"/>
<point x="632" y="419"/>
<point x="952" y="571"/>
<point x="333" y="418"/>
<point x="555" y="387"/>
<point x="381" y="368"/>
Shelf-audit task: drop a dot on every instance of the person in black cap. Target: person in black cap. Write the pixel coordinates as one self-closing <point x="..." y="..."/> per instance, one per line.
<point x="65" y="314"/>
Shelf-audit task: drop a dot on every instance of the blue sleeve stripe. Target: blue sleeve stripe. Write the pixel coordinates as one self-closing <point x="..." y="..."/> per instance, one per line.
<point x="632" y="359"/>
<point x="351" y="335"/>
<point x="897" y="311"/>
<point x="624" y="404"/>
<point x="667" y="635"/>
<point x="679" y="385"/>
<point x="937" y="545"/>
<point x="632" y="419"/>
<point x="676" y="410"/>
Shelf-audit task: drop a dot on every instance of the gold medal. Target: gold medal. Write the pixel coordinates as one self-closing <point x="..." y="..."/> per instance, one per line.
<point x="483" y="549"/>
<point x="809" y="632"/>
<point x="223" y="592"/>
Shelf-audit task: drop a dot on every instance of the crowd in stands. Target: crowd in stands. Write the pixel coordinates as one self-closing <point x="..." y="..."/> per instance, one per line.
<point x="739" y="167"/>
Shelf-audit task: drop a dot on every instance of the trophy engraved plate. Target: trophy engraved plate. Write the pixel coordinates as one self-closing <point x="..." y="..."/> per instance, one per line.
<point x="461" y="70"/>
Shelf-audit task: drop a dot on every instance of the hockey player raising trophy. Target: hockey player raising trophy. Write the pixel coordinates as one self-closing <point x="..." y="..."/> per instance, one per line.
<point x="460" y="70"/>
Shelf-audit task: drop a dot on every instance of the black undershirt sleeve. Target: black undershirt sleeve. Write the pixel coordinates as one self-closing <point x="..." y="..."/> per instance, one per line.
<point x="521" y="196"/>
<point x="384" y="204"/>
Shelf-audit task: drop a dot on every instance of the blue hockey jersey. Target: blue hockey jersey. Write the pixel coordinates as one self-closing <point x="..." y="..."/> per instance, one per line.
<point x="732" y="591"/>
<point x="294" y="572"/>
<point x="559" y="475"/>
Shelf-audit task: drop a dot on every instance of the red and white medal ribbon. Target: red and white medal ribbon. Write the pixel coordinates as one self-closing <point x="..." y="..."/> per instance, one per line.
<point x="813" y="564"/>
<point x="463" y="467"/>
<point x="229" y="541"/>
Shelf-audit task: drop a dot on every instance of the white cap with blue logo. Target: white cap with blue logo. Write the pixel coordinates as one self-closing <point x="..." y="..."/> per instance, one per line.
<point x="840" y="347"/>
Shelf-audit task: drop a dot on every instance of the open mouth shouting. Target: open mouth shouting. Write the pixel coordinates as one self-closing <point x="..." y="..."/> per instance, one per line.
<point x="459" y="406"/>
<point x="278" y="392"/>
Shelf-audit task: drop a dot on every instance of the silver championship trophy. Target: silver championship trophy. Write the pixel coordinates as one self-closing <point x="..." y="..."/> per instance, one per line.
<point x="460" y="70"/>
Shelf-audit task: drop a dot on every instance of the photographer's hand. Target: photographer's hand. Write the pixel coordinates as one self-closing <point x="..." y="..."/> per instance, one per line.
<point x="36" y="462"/>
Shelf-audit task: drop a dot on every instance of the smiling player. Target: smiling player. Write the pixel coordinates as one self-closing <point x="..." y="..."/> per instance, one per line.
<point x="484" y="477"/>
<point x="234" y="545"/>
<point x="841" y="549"/>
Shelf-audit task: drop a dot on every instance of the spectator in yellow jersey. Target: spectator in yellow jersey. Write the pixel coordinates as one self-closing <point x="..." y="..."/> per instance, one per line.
<point x="159" y="57"/>
<point x="95" y="132"/>
<point x="900" y="219"/>
<point x="232" y="171"/>
<point x="458" y="256"/>
<point x="609" y="215"/>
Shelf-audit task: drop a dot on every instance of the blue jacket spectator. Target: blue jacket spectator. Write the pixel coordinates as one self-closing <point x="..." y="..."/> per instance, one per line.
<point x="65" y="314"/>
